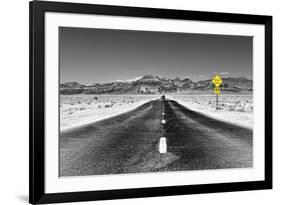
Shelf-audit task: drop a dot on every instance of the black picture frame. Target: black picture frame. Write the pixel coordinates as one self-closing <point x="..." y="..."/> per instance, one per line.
<point x="37" y="11"/>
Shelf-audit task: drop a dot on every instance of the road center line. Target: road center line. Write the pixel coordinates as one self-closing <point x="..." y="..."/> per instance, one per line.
<point x="162" y="145"/>
<point x="163" y="141"/>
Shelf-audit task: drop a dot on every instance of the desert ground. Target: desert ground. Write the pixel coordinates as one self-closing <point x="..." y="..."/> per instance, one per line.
<point x="77" y="110"/>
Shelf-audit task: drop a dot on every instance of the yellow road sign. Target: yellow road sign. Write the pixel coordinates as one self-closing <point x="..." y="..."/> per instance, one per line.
<point x="217" y="81"/>
<point x="217" y="90"/>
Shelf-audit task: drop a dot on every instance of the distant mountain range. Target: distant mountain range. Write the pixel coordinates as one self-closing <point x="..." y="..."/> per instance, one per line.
<point x="152" y="84"/>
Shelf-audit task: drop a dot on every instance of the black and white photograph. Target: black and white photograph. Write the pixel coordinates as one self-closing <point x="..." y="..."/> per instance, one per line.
<point x="145" y="101"/>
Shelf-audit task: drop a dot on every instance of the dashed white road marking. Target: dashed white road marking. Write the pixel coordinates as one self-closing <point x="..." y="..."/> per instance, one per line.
<point x="162" y="141"/>
<point x="163" y="145"/>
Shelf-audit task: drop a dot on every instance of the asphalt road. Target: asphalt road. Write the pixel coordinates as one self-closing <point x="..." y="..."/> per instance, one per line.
<point x="129" y="143"/>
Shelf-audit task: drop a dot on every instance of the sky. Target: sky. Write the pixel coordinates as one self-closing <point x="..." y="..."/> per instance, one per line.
<point x="90" y="55"/>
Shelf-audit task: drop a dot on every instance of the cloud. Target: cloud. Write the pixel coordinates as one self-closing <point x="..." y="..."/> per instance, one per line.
<point x="224" y="73"/>
<point x="221" y="73"/>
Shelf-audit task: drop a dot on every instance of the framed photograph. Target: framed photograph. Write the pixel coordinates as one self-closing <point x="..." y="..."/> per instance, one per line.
<point x="140" y="102"/>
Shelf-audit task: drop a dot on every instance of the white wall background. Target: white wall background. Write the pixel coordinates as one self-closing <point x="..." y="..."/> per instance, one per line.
<point x="14" y="100"/>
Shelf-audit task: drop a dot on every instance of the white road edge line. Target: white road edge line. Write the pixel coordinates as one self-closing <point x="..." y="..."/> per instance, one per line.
<point x="163" y="145"/>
